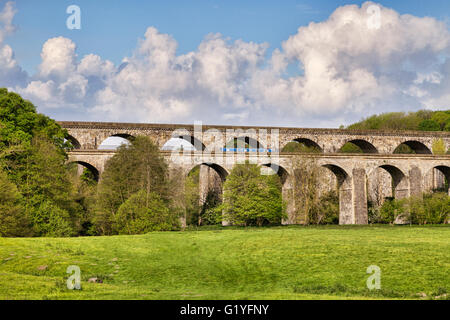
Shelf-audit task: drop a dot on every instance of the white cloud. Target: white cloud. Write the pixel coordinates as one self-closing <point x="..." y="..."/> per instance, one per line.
<point x="345" y="71"/>
<point x="6" y="18"/>
<point x="11" y="73"/>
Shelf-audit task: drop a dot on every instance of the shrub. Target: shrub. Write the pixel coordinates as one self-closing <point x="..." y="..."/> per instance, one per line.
<point x="251" y="198"/>
<point x="51" y="221"/>
<point x="432" y="208"/>
<point x="391" y="210"/>
<point x="144" y="212"/>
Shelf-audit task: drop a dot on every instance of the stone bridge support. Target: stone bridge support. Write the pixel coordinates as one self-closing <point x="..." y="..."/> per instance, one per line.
<point x="359" y="177"/>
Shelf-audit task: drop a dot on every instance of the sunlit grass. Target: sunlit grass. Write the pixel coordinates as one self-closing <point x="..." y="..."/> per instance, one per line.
<point x="234" y="263"/>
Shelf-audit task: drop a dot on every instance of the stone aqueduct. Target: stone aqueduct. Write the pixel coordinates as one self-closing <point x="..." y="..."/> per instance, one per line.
<point x="372" y="175"/>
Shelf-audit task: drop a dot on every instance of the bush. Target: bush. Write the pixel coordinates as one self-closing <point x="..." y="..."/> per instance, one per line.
<point x="251" y="198"/>
<point x="373" y="212"/>
<point x="51" y="221"/>
<point x="391" y="210"/>
<point x="431" y="209"/>
<point x="144" y="212"/>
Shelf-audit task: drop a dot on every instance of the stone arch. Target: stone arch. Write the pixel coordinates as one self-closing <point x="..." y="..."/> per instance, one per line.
<point x="211" y="178"/>
<point x="399" y="183"/>
<point x="125" y="136"/>
<point x="287" y="190"/>
<point x="90" y="167"/>
<point x="364" y="145"/>
<point x="198" y="145"/>
<point x="307" y="142"/>
<point x="75" y="143"/>
<point x="184" y="134"/>
<point x="344" y="187"/>
<point x="439" y="178"/>
<point x="244" y="140"/>
<point x="417" y="146"/>
<point x="279" y="170"/>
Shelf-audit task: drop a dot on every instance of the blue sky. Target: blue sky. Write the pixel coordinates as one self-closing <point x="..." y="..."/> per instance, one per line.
<point x="262" y="70"/>
<point x="110" y="28"/>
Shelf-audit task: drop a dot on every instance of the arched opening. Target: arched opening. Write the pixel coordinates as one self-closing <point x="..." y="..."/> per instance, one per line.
<point x="399" y="182"/>
<point x="244" y="142"/>
<point x="75" y="143"/>
<point x="183" y="143"/>
<point x="203" y="190"/>
<point x="87" y="170"/>
<point x="115" y="141"/>
<point x="302" y="145"/>
<point x="412" y="147"/>
<point x="272" y="168"/>
<point x="286" y="185"/>
<point x="345" y="194"/>
<point x="441" y="179"/>
<point x="358" y="146"/>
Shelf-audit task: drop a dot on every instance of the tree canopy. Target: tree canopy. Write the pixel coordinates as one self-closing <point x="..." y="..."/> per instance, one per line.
<point x="425" y="120"/>
<point x="251" y="198"/>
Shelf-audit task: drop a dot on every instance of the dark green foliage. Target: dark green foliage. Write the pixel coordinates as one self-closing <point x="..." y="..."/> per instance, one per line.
<point x="429" y="125"/>
<point x="135" y="167"/>
<point x="13" y="220"/>
<point x="144" y="212"/>
<point x="209" y="213"/>
<point x="52" y="221"/>
<point x="85" y="196"/>
<point x="251" y="198"/>
<point x="32" y="153"/>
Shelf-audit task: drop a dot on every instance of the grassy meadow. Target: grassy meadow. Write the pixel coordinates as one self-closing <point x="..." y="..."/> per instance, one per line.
<point x="295" y="262"/>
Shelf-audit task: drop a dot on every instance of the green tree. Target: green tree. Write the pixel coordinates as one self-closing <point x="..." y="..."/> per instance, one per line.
<point x="251" y="198"/>
<point x="51" y="221"/>
<point x="44" y="178"/>
<point x="429" y="125"/>
<point x="19" y="123"/>
<point x="136" y="166"/>
<point x="144" y="212"/>
<point x="13" y="220"/>
<point x="442" y="118"/>
<point x="314" y="206"/>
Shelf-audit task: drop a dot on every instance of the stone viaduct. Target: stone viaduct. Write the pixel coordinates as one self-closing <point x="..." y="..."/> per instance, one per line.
<point x="373" y="175"/>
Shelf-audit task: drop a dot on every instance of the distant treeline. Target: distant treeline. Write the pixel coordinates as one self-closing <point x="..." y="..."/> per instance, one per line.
<point x="423" y="120"/>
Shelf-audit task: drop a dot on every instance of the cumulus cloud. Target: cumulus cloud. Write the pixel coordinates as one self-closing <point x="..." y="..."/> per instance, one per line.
<point x="345" y="69"/>
<point x="10" y="72"/>
<point x="349" y="67"/>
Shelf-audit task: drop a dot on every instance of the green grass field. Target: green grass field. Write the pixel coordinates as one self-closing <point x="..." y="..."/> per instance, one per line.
<point x="234" y="263"/>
